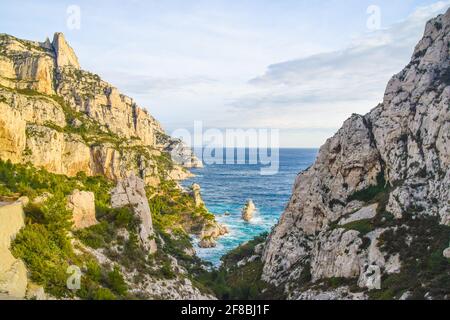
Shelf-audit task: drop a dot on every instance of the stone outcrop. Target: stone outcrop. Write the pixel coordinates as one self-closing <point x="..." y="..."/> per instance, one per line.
<point x="65" y="56"/>
<point x="248" y="211"/>
<point x="13" y="273"/>
<point x="394" y="160"/>
<point x="210" y="233"/>
<point x="196" y="195"/>
<point x="211" y="230"/>
<point x="82" y="204"/>
<point x="131" y="193"/>
<point x="67" y="120"/>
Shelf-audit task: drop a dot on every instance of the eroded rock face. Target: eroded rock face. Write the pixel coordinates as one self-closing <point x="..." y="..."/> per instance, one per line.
<point x="131" y="193"/>
<point x="28" y="62"/>
<point x="82" y="204"/>
<point x="210" y="233"/>
<point x="401" y="147"/>
<point x="13" y="273"/>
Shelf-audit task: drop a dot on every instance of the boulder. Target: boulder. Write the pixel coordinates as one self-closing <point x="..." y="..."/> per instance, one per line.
<point x="207" y="243"/>
<point x="197" y="196"/>
<point x="210" y="233"/>
<point x="248" y="211"/>
<point x="36" y="292"/>
<point x="82" y="204"/>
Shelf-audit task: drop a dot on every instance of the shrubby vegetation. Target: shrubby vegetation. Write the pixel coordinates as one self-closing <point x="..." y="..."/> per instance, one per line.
<point x="174" y="209"/>
<point x="231" y="282"/>
<point x="372" y="192"/>
<point x="45" y="244"/>
<point x="420" y="242"/>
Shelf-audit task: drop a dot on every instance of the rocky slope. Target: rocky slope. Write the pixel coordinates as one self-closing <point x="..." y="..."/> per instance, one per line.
<point x="66" y="120"/>
<point x="375" y="192"/>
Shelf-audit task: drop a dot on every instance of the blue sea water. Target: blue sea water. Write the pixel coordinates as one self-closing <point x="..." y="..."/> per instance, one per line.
<point x="227" y="187"/>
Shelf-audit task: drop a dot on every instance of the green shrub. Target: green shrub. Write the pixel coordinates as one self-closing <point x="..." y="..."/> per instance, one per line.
<point x="116" y="282"/>
<point x="371" y="192"/>
<point x="96" y="236"/>
<point x="103" y="294"/>
<point x="363" y="226"/>
<point x="243" y="251"/>
<point x="166" y="270"/>
<point x="231" y="282"/>
<point x="45" y="259"/>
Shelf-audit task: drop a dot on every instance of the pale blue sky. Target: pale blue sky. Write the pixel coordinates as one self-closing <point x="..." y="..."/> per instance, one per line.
<point x="299" y="66"/>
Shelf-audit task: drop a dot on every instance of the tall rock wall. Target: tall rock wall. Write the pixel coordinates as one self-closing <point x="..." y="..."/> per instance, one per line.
<point x="66" y="120"/>
<point x="397" y="157"/>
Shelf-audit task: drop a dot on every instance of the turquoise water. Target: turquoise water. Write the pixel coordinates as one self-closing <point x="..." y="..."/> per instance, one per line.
<point x="227" y="187"/>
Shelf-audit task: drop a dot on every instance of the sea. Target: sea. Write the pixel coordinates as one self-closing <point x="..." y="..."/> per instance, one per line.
<point x="226" y="187"/>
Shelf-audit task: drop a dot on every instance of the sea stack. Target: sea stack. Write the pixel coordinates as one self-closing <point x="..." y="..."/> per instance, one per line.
<point x="248" y="211"/>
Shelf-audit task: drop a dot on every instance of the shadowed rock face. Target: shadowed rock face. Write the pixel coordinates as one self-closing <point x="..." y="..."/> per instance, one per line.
<point x="402" y="147"/>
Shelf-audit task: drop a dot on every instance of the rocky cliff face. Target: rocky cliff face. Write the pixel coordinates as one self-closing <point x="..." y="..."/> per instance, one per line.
<point x="66" y="120"/>
<point x="378" y="174"/>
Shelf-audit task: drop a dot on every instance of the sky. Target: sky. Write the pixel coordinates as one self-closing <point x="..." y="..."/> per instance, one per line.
<point x="299" y="66"/>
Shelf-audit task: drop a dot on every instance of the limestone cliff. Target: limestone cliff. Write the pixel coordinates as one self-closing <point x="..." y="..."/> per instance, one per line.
<point x="381" y="173"/>
<point x="66" y="120"/>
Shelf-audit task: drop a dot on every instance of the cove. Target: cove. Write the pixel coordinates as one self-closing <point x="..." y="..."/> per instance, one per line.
<point x="227" y="187"/>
